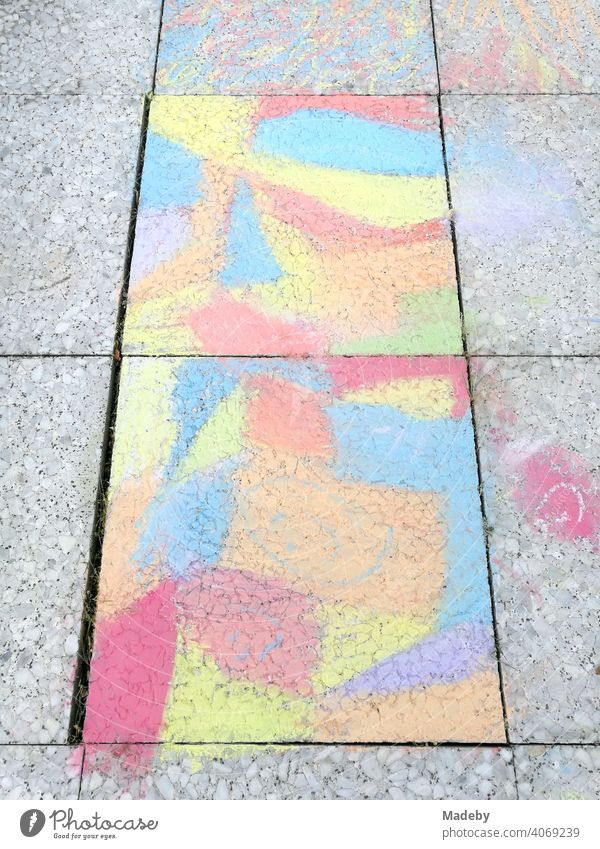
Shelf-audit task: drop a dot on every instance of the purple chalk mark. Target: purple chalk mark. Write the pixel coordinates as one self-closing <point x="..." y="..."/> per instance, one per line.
<point x="444" y="658"/>
<point x="159" y="234"/>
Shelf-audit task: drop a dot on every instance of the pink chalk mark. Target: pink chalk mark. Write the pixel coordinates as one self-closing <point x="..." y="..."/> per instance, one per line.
<point x="415" y="113"/>
<point x="321" y="221"/>
<point x="364" y="372"/>
<point x="284" y="415"/>
<point x="228" y="327"/>
<point x="131" y="671"/>
<point x="485" y="66"/>
<point x="557" y="492"/>
<point x="255" y="628"/>
<point x="122" y="762"/>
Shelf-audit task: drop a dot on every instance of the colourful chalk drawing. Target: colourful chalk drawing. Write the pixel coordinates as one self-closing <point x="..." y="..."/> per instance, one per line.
<point x="293" y="551"/>
<point x="518" y="45"/>
<point x="293" y="226"/>
<point x="276" y="47"/>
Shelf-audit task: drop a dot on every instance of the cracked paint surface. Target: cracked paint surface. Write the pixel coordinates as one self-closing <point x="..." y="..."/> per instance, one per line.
<point x="292" y="226"/>
<point x="276" y="47"/>
<point x="293" y="551"/>
<point x="529" y="46"/>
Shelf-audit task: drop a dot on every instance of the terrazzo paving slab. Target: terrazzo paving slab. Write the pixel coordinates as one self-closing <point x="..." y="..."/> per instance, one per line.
<point x="40" y="772"/>
<point x="293" y="552"/>
<point x="531" y="46"/>
<point x="526" y="190"/>
<point x="558" y="772"/>
<point x="274" y="47"/>
<point x="51" y="425"/>
<point x="293" y="225"/>
<point x="70" y="48"/>
<point x="539" y="422"/>
<point x="299" y="772"/>
<point x="67" y="170"/>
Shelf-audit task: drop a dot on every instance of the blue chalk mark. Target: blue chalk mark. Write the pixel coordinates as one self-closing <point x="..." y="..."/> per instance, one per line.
<point x="172" y="176"/>
<point x="380" y="445"/>
<point x="249" y="257"/>
<point x="185" y="525"/>
<point x="201" y="386"/>
<point x="335" y="139"/>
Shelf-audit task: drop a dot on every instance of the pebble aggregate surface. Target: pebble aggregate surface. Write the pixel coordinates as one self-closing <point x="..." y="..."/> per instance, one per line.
<point x="51" y="422"/>
<point x="40" y="772"/>
<point x="558" y="772"/>
<point x="540" y="455"/>
<point x="297" y="211"/>
<point x="526" y="198"/>
<point x="536" y="46"/>
<point x="78" y="47"/>
<point x="68" y="170"/>
<point x="308" y="772"/>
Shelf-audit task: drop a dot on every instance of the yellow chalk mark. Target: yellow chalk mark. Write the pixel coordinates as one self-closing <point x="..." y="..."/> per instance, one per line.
<point x="422" y="398"/>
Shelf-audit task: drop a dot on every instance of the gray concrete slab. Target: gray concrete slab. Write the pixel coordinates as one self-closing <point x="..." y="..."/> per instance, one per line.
<point x="40" y="772"/>
<point x="307" y="772"/>
<point x="526" y="194"/>
<point x="73" y="47"/>
<point x="275" y="47"/>
<point x="538" y="422"/>
<point x="558" y="772"/>
<point x="67" y="177"/>
<point x="539" y="46"/>
<point x="51" y="429"/>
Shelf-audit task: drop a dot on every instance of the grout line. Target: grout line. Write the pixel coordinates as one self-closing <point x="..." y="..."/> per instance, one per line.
<point x="547" y="744"/>
<point x="83" y="754"/>
<point x="420" y="94"/>
<point x="364" y="744"/>
<point x="484" y="519"/>
<point x="198" y="356"/>
<point x="126" y="93"/>
<point x="514" y="766"/>
<point x="158" y="35"/>
<point x="86" y="636"/>
<point x="325" y="744"/>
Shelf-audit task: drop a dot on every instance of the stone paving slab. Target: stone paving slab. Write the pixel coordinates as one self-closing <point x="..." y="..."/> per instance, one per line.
<point x="275" y="47"/>
<point x="40" y="772"/>
<point x="298" y="772"/>
<point x="526" y="190"/>
<point x="538" y="422"/>
<point x="294" y="225"/>
<point x="51" y="425"/>
<point x="534" y="46"/>
<point x="68" y="171"/>
<point x="71" y="48"/>
<point x="558" y="772"/>
<point x="294" y="552"/>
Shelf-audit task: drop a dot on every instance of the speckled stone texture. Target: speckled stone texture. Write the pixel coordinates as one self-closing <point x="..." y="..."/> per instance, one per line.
<point x="516" y="46"/>
<point x="293" y="551"/>
<point x="51" y="426"/>
<point x="73" y="47"/>
<point x="307" y="772"/>
<point x="526" y="190"/>
<point x="558" y="772"/>
<point x="276" y="47"/>
<point x="539" y="422"/>
<point x="68" y="170"/>
<point x="40" y="772"/>
<point x="295" y="225"/>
